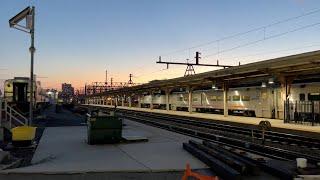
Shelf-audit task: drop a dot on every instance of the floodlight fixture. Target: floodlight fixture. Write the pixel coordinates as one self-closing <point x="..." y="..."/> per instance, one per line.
<point x="20" y="16"/>
<point x="26" y="14"/>
<point x="29" y="14"/>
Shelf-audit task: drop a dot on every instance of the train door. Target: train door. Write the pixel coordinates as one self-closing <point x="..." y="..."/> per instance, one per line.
<point x="265" y="103"/>
<point x="20" y="92"/>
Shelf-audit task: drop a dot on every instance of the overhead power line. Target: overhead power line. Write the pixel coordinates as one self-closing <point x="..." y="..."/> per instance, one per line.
<point x="263" y="39"/>
<point x="272" y="52"/>
<point x="245" y="32"/>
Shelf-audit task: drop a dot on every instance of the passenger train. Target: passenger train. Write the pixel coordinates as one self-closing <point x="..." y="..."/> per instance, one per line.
<point x="17" y="93"/>
<point x="267" y="102"/>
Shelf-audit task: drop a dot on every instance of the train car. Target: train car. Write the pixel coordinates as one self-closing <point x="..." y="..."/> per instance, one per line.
<point x="239" y="101"/>
<point x="17" y="92"/>
<point x="158" y="101"/>
<point x="254" y="101"/>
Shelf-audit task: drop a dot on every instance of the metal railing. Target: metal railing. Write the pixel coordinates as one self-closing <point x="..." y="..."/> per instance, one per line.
<point x="302" y="112"/>
<point x="9" y="115"/>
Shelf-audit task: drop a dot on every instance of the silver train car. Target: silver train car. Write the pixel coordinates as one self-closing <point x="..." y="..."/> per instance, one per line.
<point x="17" y="91"/>
<point x="247" y="101"/>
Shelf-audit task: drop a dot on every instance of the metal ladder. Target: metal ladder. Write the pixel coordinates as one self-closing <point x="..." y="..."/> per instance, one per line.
<point x="9" y="117"/>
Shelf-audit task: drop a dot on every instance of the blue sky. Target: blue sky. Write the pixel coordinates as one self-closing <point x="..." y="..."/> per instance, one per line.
<point x="78" y="40"/>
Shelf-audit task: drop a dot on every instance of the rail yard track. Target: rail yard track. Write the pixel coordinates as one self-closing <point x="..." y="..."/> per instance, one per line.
<point x="232" y="150"/>
<point x="276" y="137"/>
<point x="278" y="145"/>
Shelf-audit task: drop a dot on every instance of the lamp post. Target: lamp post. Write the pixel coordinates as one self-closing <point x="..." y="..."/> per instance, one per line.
<point x="29" y="15"/>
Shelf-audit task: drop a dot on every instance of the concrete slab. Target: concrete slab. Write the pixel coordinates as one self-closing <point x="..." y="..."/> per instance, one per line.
<point x="64" y="150"/>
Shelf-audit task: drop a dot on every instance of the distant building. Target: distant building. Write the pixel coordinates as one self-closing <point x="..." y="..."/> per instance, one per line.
<point x="67" y="93"/>
<point x="51" y="95"/>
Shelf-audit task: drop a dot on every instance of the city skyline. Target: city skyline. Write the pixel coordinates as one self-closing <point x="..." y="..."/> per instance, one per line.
<point x="77" y="41"/>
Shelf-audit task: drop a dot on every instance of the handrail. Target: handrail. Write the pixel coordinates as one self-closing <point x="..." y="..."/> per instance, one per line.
<point x="11" y="113"/>
<point x="15" y="118"/>
<point x="16" y="112"/>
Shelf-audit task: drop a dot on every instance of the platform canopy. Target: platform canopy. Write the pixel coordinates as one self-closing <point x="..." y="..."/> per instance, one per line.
<point x="303" y="67"/>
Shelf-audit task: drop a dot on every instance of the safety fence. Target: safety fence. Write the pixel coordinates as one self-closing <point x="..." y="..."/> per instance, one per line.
<point x="303" y="112"/>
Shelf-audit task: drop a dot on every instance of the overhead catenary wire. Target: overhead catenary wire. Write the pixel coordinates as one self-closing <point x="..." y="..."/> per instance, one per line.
<point x="263" y="39"/>
<point x="272" y="52"/>
<point x="245" y="32"/>
<point x="264" y="28"/>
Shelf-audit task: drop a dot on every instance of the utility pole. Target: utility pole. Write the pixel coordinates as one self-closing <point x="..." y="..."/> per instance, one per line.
<point x="197" y="57"/>
<point x="28" y="14"/>
<point x="32" y="50"/>
<point x="130" y="79"/>
<point x="106" y="77"/>
<point x="106" y="83"/>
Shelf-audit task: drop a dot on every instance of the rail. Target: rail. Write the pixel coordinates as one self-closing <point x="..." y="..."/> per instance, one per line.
<point x="253" y="147"/>
<point x="294" y="144"/>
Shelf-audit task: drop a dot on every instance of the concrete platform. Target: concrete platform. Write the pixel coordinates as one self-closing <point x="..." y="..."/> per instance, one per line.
<point x="275" y="123"/>
<point x="63" y="150"/>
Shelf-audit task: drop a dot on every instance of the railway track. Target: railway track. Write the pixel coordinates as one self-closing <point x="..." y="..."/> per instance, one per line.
<point x="247" y="139"/>
<point x="224" y="147"/>
<point x="207" y="131"/>
<point x="275" y="137"/>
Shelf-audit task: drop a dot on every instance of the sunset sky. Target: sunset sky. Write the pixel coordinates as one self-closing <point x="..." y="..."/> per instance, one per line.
<point x="77" y="40"/>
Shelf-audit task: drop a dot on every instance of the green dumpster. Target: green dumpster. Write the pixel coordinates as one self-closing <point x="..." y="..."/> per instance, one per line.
<point x="104" y="129"/>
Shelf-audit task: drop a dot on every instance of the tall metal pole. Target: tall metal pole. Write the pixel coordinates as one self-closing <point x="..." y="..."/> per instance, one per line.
<point x="32" y="50"/>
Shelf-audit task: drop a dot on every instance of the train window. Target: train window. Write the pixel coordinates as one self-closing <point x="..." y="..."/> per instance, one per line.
<point x="195" y="99"/>
<point x="245" y="98"/>
<point x="264" y="95"/>
<point x="213" y="98"/>
<point x="302" y="97"/>
<point x="236" y="98"/>
<point x="180" y="99"/>
<point x="219" y="98"/>
<point x="314" y="96"/>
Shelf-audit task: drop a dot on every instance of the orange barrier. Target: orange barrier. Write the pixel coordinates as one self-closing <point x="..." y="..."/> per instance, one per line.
<point x="189" y="173"/>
